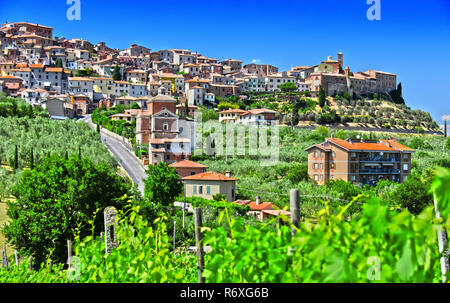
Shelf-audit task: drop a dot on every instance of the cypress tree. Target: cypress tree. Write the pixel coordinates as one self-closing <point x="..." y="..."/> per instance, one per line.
<point x="16" y="159"/>
<point x="32" y="159"/>
<point x="445" y="128"/>
<point x="66" y="156"/>
<point x="186" y="107"/>
<point x="116" y="74"/>
<point x="98" y="128"/>
<point x="79" y="152"/>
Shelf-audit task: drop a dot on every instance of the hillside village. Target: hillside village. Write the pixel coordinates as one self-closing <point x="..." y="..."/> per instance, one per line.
<point x="149" y="98"/>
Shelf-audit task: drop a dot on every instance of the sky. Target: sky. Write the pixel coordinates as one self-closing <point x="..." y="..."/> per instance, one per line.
<point x="412" y="38"/>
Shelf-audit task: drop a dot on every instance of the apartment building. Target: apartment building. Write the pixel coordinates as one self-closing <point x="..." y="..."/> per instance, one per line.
<point x="359" y="161"/>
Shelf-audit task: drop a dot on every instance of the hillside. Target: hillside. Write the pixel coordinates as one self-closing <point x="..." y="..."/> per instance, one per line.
<point x="341" y="111"/>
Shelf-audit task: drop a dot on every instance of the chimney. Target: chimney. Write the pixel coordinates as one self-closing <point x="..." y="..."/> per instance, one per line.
<point x="228" y="174"/>
<point x="258" y="200"/>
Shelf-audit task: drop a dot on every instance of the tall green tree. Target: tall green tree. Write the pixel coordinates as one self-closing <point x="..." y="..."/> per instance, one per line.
<point x="322" y="97"/>
<point x="32" y="159"/>
<point x="16" y="159"/>
<point x="288" y="87"/>
<point x="162" y="185"/>
<point x="58" y="199"/>
<point x="116" y="73"/>
<point x="58" y="62"/>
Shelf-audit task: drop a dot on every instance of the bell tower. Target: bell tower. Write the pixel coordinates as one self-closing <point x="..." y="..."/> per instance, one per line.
<point x="341" y="61"/>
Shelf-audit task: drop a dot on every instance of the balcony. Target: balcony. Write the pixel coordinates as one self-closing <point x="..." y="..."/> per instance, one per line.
<point x="379" y="159"/>
<point x="379" y="171"/>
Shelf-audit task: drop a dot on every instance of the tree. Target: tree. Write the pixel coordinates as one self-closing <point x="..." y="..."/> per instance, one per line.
<point x="57" y="199"/>
<point x="135" y="106"/>
<point x="16" y="159"/>
<point x="322" y="97"/>
<point x="186" y="108"/>
<point x="447" y="144"/>
<point x="445" y="128"/>
<point x="219" y="197"/>
<point x="31" y="159"/>
<point x="414" y="194"/>
<point x="162" y="185"/>
<point x="58" y="63"/>
<point x="98" y="128"/>
<point x="297" y="173"/>
<point x="116" y="74"/>
<point x="288" y="87"/>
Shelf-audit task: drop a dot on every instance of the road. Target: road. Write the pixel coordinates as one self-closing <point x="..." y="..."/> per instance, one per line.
<point x="126" y="159"/>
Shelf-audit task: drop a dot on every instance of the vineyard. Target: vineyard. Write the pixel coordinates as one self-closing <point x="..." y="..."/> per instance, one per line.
<point x="382" y="245"/>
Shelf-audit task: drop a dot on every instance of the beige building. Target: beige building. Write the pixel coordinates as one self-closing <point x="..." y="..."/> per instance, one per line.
<point x="208" y="184"/>
<point x="359" y="161"/>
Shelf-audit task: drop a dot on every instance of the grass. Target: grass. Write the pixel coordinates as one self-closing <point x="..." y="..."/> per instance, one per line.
<point x="4" y="219"/>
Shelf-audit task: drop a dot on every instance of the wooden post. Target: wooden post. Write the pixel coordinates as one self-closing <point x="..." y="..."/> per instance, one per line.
<point x="6" y="258"/>
<point x="184" y="206"/>
<point x="69" y="253"/>
<point x="16" y="258"/>
<point x="110" y="229"/>
<point x="295" y="209"/>
<point x="174" y="235"/>
<point x="442" y="241"/>
<point x="3" y="259"/>
<point x="101" y="236"/>
<point x="51" y="266"/>
<point x="199" y="244"/>
<point x="31" y="263"/>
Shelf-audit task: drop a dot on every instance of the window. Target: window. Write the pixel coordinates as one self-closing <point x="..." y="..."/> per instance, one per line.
<point x="195" y="189"/>
<point x="321" y="177"/>
<point x="316" y="166"/>
<point x="332" y="166"/>
<point x="200" y="190"/>
<point x="166" y="126"/>
<point x="353" y="178"/>
<point x="316" y="154"/>
<point x="405" y="156"/>
<point x="316" y="177"/>
<point x="353" y="155"/>
<point x="182" y="157"/>
<point x="192" y="173"/>
<point x="405" y="166"/>
<point x="208" y="189"/>
<point x="168" y="157"/>
<point x="332" y="177"/>
<point x="321" y="165"/>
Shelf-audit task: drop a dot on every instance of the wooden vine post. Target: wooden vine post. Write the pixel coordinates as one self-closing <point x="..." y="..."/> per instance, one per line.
<point x="174" y="235"/>
<point x="69" y="253"/>
<point x="443" y="249"/>
<point x="295" y="209"/>
<point x="111" y="242"/>
<point x="199" y="244"/>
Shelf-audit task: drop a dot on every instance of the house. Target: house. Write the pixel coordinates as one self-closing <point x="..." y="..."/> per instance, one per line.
<point x="59" y="108"/>
<point x="196" y="95"/>
<point x="181" y="110"/>
<point x="81" y="85"/>
<point x="273" y="82"/>
<point x="361" y="161"/>
<point x="260" y="116"/>
<point x="235" y="65"/>
<point x="34" y="97"/>
<point x="169" y="150"/>
<point x="188" y="168"/>
<point x="208" y="184"/>
<point x="262" y="210"/>
<point x="11" y="85"/>
<point x="260" y="69"/>
<point x="136" y="76"/>
<point x="230" y="115"/>
<point x="254" y="84"/>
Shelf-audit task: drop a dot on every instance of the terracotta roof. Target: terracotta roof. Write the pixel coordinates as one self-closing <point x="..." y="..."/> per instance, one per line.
<point x="233" y="111"/>
<point x="188" y="164"/>
<point x="54" y="69"/>
<point x="397" y="145"/>
<point x="379" y="146"/>
<point x="276" y="212"/>
<point x="79" y="79"/>
<point x="261" y="206"/>
<point x="36" y="66"/>
<point x="326" y="148"/>
<point x="210" y="175"/>
<point x="9" y="77"/>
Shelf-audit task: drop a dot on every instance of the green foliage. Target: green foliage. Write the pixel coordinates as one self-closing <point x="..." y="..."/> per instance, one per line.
<point x="135" y="106"/>
<point x="322" y="97"/>
<point x="56" y="199"/>
<point x="332" y="250"/>
<point x="297" y="173"/>
<point x="288" y="87"/>
<point x="162" y="185"/>
<point x="447" y="144"/>
<point x="414" y="194"/>
<point x="209" y="114"/>
<point x="116" y="74"/>
<point x="58" y="63"/>
<point x="227" y="105"/>
<point x="219" y="197"/>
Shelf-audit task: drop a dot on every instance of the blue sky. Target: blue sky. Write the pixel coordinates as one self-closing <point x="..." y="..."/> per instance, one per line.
<point x="412" y="39"/>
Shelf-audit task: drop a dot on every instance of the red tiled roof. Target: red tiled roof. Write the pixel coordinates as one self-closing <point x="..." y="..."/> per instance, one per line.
<point x="36" y="66"/>
<point x="210" y="175"/>
<point x="54" y="69"/>
<point x="397" y="145"/>
<point x="261" y="206"/>
<point x="361" y="145"/>
<point x="188" y="164"/>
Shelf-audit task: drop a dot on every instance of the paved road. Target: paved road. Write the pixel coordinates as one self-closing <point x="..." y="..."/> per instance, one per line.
<point x="126" y="159"/>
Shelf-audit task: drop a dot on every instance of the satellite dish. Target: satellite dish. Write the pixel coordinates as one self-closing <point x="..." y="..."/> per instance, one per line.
<point x="381" y="153"/>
